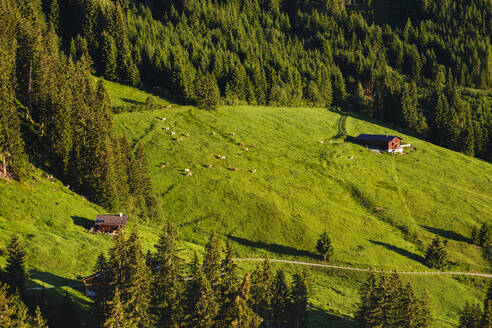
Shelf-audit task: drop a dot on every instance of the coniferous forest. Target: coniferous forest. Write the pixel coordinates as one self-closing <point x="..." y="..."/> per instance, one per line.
<point x="421" y="66"/>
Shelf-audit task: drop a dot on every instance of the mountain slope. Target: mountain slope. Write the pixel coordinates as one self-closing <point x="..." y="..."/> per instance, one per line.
<point x="379" y="210"/>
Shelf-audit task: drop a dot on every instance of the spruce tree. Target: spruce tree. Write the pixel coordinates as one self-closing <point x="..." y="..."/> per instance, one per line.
<point x="261" y="291"/>
<point x="207" y="92"/>
<point x="38" y="321"/>
<point x="202" y="300"/>
<point x="368" y="310"/>
<point x="486" y="321"/>
<point x="102" y="288"/>
<point x="168" y="289"/>
<point x="228" y="288"/>
<point x="299" y="296"/>
<point x="471" y="316"/>
<point x="435" y="254"/>
<point x="280" y="300"/>
<point x="136" y="294"/>
<point x="117" y="317"/>
<point x="15" y="271"/>
<point x="211" y="262"/>
<point x="324" y="247"/>
<point x="242" y="314"/>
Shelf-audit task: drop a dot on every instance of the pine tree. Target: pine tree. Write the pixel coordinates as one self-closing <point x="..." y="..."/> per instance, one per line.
<point x="486" y="321"/>
<point x="117" y="317"/>
<point x="54" y="16"/>
<point x="211" y="262"/>
<point x="299" y="296"/>
<point x="207" y="92"/>
<point x="368" y="311"/>
<point x="15" y="271"/>
<point x="470" y="316"/>
<point x="435" y="254"/>
<point x="101" y="288"/>
<point x="228" y="288"/>
<point x="203" y="306"/>
<point x="425" y="316"/>
<point x="136" y="294"/>
<point x="280" y="300"/>
<point x="109" y="57"/>
<point x="243" y="315"/>
<point x="13" y="160"/>
<point x="168" y="287"/>
<point x="324" y="247"/>
<point x="409" y="309"/>
<point x="38" y="321"/>
<point x="261" y="291"/>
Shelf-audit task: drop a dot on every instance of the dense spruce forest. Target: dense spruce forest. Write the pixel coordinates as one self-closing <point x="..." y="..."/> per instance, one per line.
<point x="415" y="65"/>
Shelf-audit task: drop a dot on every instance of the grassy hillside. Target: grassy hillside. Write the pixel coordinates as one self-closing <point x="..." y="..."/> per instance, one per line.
<point x="378" y="209"/>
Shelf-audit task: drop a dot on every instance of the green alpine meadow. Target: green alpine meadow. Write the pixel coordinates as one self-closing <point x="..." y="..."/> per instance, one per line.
<point x="245" y="164"/>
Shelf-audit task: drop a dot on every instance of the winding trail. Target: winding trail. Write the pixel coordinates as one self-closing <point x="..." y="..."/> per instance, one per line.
<point x="484" y="275"/>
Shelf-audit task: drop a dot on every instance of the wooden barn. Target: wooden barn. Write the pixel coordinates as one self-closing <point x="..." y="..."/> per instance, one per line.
<point x="379" y="141"/>
<point x="108" y="223"/>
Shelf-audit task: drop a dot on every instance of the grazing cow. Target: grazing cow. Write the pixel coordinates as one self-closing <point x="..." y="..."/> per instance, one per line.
<point x="245" y="149"/>
<point x="209" y="166"/>
<point x="212" y="133"/>
<point x="163" y="165"/>
<point x="173" y="133"/>
<point x="321" y="142"/>
<point x="241" y="144"/>
<point x="253" y="172"/>
<point x="233" y="134"/>
<point x="169" y="106"/>
<point x="166" y="128"/>
<point x="351" y="157"/>
<point x="187" y="134"/>
<point x="179" y="139"/>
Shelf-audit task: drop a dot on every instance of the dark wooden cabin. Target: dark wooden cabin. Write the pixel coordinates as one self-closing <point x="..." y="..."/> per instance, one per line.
<point x="109" y="223"/>
<point x="380" y="141"/>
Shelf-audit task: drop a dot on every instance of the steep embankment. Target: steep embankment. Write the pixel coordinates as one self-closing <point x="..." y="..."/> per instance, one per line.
<point x="378" y="209"/>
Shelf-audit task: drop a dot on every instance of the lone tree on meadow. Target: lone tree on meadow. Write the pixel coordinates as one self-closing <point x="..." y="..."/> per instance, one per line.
<point x="324" y="246"/>
<point x="435" y="254"/>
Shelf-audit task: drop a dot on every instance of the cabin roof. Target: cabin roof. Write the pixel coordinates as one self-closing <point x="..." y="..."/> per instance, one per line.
<point x="376" y="137"/>
<point x="108" y="219"/>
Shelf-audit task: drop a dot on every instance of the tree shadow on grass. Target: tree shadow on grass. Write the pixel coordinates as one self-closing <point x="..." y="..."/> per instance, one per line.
<point x="274" y="248"/>
<point x="448" y="234"/>
<point x="83" y="222"/>
<point x="322" y="318"/>
<point x="131" y="101"/>
<point x="401" y="251"/>
<point x="52" y="279"/>
<point x="53" y="300"/>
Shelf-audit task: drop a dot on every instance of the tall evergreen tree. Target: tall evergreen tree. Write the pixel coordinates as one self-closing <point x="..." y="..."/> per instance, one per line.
<point x="435" y="254"/>
<point x="207" y="92"/>
<point x="324" y="247"/>
<point x="228" y="288"/>
<point x="168" y="286"/>
<point x="243" y="315"/>
<point x="299" y="296"/>
<point x="470" y="316"/>
<point x="211" y="262"/>
<point x="117" y="317"/>
<point x="203" y="306"/>
<point x="261" y="291"/>
<point x="280" y="300"/>
<point x="15" y="271"/>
